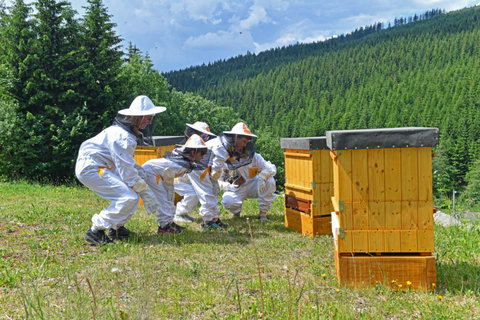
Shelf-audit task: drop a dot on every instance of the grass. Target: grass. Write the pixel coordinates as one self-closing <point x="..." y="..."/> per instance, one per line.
<point x="47" y="271"/>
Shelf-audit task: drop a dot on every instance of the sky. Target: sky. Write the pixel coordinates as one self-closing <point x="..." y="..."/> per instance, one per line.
<point x="178" y="34"/>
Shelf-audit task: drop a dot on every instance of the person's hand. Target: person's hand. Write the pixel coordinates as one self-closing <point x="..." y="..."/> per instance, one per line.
<point x="215" y="174"/>
<point x="223" y="185"/>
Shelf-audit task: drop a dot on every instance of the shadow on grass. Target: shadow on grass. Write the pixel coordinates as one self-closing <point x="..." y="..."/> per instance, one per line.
<point x="458" y="277"/>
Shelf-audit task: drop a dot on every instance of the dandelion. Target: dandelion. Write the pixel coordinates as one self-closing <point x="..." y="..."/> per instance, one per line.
<point x="337" y="290"/>
<point x="381" y="291"/>
<point x="409" y="283"/>
<point x="434" y="285"/>
<point x="440" y="298"/>
<point x="324" y="275"/>
<point x="394" y="281"/>
<point x="400" y="286"/>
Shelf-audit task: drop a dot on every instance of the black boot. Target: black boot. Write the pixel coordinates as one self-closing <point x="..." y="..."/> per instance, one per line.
<point x="97" y="237"/>
<point x="121" y="233"/>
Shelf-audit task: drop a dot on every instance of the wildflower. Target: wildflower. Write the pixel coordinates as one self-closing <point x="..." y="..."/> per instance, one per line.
<point x="434" y="285"/>
<point x="440" y="298"/>
<point x="324" y="275"/>
<point x="337" y="290"/>
<point x="400" y="286"/>
<point x="114" y="270"/>
<point x="409" y="283"/>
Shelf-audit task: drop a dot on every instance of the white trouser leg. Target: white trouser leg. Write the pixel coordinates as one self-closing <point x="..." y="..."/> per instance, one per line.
<point x="204" y="189"/>
<point x="190" y="198"/>
<point x="265" y="200"/>
<point x="123" y="199"/>
<point x="232" y="199"/>
<point x="166" y="210"/>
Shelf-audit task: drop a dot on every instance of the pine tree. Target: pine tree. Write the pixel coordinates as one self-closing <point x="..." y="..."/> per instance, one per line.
<point x="102" y="87"/>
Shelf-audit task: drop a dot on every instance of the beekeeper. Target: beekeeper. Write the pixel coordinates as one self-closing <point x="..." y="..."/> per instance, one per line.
<point x="106" y="166"/>
<point x="183" y="186"/>
<point x="160" y="175"/>
<point x="228" y="146"/>
<point x="253" y="180"/>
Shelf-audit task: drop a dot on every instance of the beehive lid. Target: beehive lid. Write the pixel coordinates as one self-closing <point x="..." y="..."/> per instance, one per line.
<point x="305" y="143"/>
<point x="160" y="141"/>
<point x="408" y="137"/>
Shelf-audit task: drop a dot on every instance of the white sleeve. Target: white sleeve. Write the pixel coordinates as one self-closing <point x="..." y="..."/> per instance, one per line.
<point x="264" y="165"/>
<point x="122" y="150"/>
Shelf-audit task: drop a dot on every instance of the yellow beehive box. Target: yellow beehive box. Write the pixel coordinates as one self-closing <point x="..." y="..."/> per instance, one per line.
<point x="161" y="144"/>
<point x="382" y="197"/>
<point x="308" y="185"/>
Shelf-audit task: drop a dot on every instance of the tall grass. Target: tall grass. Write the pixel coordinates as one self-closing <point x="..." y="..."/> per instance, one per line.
<point x="47" y="271"/>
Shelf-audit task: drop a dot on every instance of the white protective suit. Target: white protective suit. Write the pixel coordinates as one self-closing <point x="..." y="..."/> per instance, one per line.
<point x="202" y="187"/>
<point x="233" y="197"/>
<point x="160" y="175"/>
<point x="190" y="199"/>
<point x="105" y="165"/>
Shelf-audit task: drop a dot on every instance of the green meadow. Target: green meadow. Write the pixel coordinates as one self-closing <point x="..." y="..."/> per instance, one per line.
<point x="251" y="271"/>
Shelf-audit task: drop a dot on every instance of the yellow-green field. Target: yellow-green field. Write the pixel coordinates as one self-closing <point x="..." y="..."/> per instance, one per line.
<point x="47" y="270"/>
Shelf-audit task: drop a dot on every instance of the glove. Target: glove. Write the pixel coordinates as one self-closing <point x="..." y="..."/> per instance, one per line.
<point x="149" y="201"/>
<point x="139" y="186"/>
<point x="170" y="192"/>
<point x="262" y="181"/>
<point x="141" y="171"/>
<point x="223" y="185"/>
<point x="215" y="174"/>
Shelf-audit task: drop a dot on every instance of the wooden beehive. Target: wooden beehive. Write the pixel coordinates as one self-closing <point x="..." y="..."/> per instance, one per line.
<point x="308" y="185"/>
<point x="161" y="145"/>
<point x="382" y="199"/>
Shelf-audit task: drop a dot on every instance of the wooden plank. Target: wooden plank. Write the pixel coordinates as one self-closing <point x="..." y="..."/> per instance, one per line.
<point x="409" y="215"/>
<point x="408" y="241"/>
<point x="306" y="225"/>
<point x="360" y="194"/>
<point x="345" y="245"/>
<point x="360" y="241"/>
<point x="376" y="175"/>
<point x="425" y="240"/>
<point x="393" y="215"/>
<point x="392" y="241"/>
<point x="359" y="176"/>
<point x="393" y="175"/>
<point x="344" y="161"/>
<point x="377" y="216"/>
<point x="326" y="173"/>
<point x="409" y="162"/>
<point x="425" y="192"/>
<point x="425" y="214"/>
<point x="293" y="220"/>
<point x="376" y="241"/>
<point x="366" y="271"/>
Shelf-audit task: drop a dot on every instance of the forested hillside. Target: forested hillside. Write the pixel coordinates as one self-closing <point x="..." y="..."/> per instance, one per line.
<point x="420" y="73"/>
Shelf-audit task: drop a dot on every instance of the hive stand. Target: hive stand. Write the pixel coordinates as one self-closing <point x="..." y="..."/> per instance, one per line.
<point x="308" y="185"/>
<point x="383" y="206"/>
